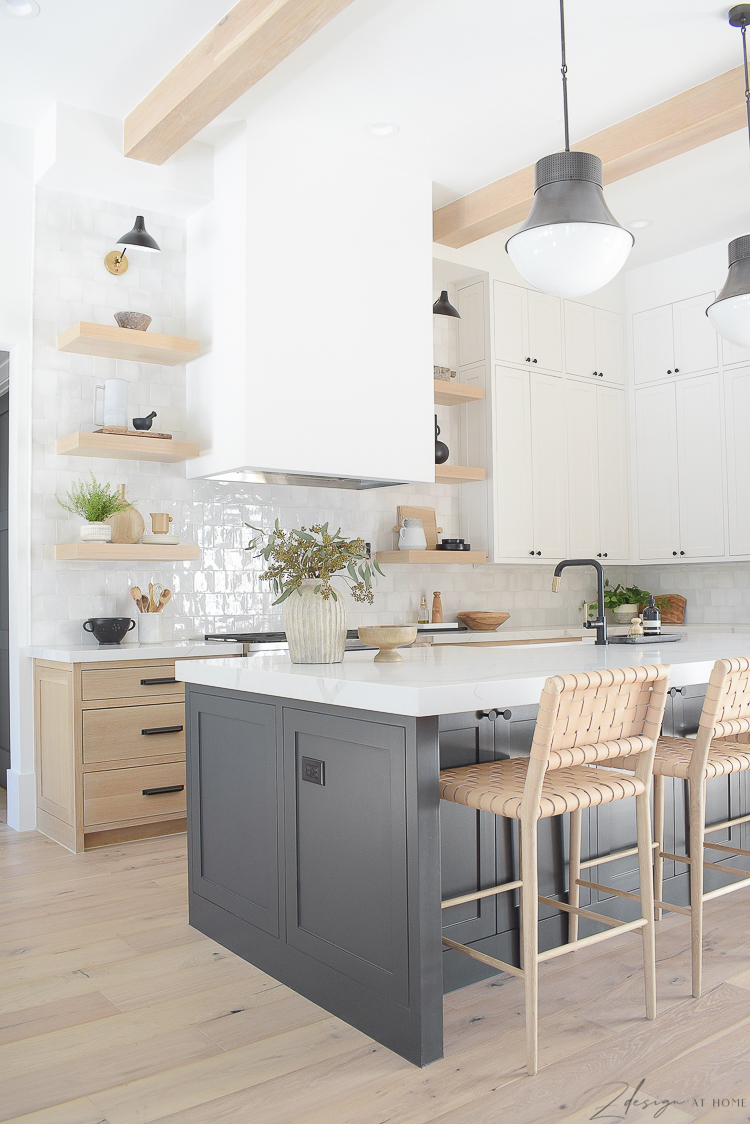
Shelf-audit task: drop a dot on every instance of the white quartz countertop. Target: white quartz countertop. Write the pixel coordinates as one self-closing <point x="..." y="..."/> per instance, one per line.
<point x="451" y="679"/>
<point x="104" y="653"/>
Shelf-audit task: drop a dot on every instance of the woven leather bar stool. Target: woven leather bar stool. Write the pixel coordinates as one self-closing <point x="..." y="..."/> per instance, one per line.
<point x="583" y="721"/>
<point x="725" y="715"/>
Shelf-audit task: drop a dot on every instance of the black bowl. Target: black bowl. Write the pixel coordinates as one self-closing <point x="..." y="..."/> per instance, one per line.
<point x="109" y="630"/>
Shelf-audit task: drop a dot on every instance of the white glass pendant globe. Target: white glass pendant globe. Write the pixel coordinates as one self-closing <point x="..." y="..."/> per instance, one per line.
<point x="570" y="259"/>
<point x="731" y="319"/>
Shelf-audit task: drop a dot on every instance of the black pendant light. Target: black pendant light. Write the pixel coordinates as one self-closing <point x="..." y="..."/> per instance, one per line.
<point x="571" y="243"/>
<point x="443" y="307"/>
<point x="730" y="312"/>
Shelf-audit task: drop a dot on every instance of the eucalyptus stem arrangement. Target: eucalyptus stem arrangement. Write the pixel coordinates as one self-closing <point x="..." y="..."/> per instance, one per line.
<point x="93" y="501"/>
<point x="315" y="552"/>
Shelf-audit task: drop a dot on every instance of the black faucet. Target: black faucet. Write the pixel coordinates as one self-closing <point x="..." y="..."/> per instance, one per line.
<point x="600" y="624"/>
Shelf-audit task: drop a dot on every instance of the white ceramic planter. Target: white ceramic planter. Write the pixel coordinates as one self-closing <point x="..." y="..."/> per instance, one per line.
<point x="150" y="628"/>
<point x="315" y="629"/>
<point x="96" y="532"/>
<point x="625" y="613"/>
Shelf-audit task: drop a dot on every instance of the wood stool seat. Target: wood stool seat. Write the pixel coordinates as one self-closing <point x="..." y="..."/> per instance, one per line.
<point x="673" y="757"/>
<point x="497" y="786"/>
<point x="584" y="721"/>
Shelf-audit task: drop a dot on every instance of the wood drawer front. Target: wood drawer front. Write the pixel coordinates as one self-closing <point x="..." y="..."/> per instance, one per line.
<point x="116" y="733"/>
<point x="113" y="795"/>
<point x="126" y="683"/>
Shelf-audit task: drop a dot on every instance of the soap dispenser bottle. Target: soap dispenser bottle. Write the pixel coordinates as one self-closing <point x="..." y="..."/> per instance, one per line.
<point x="651" y="618"/>
<point x="423" y="616"/>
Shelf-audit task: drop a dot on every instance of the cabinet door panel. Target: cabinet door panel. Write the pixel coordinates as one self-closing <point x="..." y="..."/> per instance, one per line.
<point x="583" y="469"/>
<point x="610" y="357"/>
<point x="656" y="453"/>
<point x="737" y="410"/>
<point x="699" y="458"/>
<point x="614" y="533"/>
<point x="233" y="807"/>
<point x="545" y="330"/>
<point x="580" y="339"/>
<point x="346" y="847"/>
<point x="695" y="340"/>
<point x="653" y="344"/>
<point x="510" y="320"/>
<point x="732" y="353"/>
<point x="512" y="470"/>
<point x="471" y="326"/>
<point x="549" y="460"/>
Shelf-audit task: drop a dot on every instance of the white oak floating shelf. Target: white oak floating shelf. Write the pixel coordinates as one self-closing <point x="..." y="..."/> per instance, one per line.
<point x="431" y="557"/>
<point x="456" y="393"/>
<point x="122" y="446"/>
<point x="111" y="342"/>
<point x="125" y="552"/>
<point x="457" y="474"/>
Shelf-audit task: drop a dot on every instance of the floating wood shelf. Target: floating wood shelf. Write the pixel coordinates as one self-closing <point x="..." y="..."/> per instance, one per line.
<point x="431" y="557"/>
<point x="126" y="552"/>
<point x="457" y="474"/>
<point x="111" y="342"/>
<point x="456" y="393"/>
<point x="121" y="446"/>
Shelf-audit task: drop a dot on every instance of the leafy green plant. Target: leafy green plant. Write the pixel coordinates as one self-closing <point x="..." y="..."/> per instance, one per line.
<point x="313" y="552"/>
<point x="95" y="502"/>
<point x="617" y="595"/>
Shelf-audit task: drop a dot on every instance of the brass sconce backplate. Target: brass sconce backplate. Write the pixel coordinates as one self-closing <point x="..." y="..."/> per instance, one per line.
<point x="116" y="262"/>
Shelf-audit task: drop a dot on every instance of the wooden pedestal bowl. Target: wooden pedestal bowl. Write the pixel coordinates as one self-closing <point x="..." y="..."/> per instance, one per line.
<point x="482" y="622"/>
<point x="387" y="637"/>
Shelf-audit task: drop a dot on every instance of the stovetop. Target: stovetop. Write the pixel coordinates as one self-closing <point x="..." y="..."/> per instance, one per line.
<point x="261" y="637"/>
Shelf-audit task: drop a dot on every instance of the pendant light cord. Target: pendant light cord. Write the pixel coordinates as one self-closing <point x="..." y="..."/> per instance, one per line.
<point x="564" y="72"/>
<point x="747" y="83"/>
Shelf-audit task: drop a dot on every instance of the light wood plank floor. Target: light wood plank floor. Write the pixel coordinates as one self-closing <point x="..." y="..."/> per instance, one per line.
<point x="114" y="1011"/>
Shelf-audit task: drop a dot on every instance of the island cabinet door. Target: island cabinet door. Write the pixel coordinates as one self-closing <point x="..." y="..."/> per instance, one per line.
<point x="467" y="837"/>
<point x="345" y="843"/>
<point x="233" y="807"/>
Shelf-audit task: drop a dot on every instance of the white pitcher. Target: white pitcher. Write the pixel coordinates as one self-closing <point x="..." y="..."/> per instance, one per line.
<point x="411" y="535"/>
<point x="114" y="404"/>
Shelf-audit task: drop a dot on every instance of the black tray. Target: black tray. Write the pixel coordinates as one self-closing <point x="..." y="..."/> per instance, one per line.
<point x="664" y="638"/>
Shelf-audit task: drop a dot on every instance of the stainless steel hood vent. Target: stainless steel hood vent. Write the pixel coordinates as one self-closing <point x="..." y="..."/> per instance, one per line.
<point x="261" y="476"/>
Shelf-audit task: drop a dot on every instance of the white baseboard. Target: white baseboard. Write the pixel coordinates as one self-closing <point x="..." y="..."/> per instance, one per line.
<point x="21" y="800"/>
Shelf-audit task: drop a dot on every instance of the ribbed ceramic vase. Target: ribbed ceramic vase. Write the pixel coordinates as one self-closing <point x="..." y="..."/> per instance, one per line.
<point x="315" y="629"/>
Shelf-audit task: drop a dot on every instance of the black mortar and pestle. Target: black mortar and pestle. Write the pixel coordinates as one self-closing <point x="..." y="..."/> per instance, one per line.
<point x="144" y="423"/>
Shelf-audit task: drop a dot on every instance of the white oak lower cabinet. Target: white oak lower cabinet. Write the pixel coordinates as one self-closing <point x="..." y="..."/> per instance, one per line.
<point x="110" y="751"/>
<point x="679" y="454"/>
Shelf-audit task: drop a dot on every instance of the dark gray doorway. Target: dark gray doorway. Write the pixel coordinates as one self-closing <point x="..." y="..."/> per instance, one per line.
<point x="4" y="654"/>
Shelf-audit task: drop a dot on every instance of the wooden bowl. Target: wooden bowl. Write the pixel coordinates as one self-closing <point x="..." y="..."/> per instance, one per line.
<point x="482" y="622"/>
<point x="387" y="637"/>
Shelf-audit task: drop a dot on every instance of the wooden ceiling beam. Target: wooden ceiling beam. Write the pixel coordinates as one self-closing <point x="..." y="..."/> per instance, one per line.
<point x="249" y="42"/>
<point x="690" y="119"/>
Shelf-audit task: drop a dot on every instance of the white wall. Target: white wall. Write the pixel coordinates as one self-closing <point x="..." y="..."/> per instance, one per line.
<point x="336" y="328"/>
<point x="677" y="278"/>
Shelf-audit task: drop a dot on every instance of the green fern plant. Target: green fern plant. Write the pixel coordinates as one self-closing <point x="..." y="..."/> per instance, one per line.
<point x="93" y="501"/>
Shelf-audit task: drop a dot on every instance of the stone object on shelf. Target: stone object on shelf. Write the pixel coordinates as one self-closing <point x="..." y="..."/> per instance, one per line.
<point x="444" y="374"/>
<point x="137" y="321"/>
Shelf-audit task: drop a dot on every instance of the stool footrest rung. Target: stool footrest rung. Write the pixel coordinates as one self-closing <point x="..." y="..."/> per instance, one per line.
<point x="609" y="890"/>
<point x="726" y="889"/>
<point x="577" y="909"/>
<point x="673" y="908"/>
<point x="622" y="927"/>
<point x="725" y="847"/>
<point x="477" y="894"/>
<point x="483" y="958"/>
<point x="733" y="870"/>
<point x="611" y="858"/>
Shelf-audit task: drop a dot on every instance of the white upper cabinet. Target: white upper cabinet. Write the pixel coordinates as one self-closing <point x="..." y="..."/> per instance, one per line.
<point x="597" y="471"/>
<point x="528" y="326"/>
<point x="732" y="353"/>
<point x="614" y="508"/>
<point x="471" y="326"/>
<point x="593" y="342"/>
<point x="676" y="339"/>
<point x="695" y="340"/>
<point x="680" y="473"/>
<point x="512" y="464"/>
<point x="737" y="408"/>
<point x="653" y="344"/>
<point x="548" y="465"/>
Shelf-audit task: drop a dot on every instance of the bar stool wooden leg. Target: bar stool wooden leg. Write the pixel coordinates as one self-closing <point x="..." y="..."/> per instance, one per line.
<point x="697" y="833"/>
<point x="530" y="950"/>
<point x="659" y="838"/>
<point x="574" y="872"/>
<point x="645" y="877"/>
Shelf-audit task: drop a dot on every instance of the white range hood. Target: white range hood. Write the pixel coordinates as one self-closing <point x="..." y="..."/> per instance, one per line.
<point x="310" y="289"/>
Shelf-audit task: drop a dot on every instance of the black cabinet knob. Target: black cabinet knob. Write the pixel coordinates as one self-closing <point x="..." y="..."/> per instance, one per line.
<point x="598" y="556"/>
<point x="674" y="552"/>
<point x="605" y="554"/>
<point x="528" y="358"/>
<point x="538" y="554"/>
<point x="531" y="552"/>
<point x="595" y="373"/>
<point x="533" y="360"/>
<point x="669" y="372"/>
<point x="677" y="370"/>
<point x="494" y="714"/>
<point x="682" y="552"/>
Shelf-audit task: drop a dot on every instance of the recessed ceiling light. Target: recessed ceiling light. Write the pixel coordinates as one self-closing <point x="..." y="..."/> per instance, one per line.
<point x="381" y="129"/>
<point x="639" y="224"/>
<point x="19" y="9"/>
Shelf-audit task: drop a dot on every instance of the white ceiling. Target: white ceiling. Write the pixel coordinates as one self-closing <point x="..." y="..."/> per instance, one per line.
<point x="103" y="55"/>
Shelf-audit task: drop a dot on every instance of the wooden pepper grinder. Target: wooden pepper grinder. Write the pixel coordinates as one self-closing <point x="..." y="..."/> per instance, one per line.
<point x="437" y="608"/>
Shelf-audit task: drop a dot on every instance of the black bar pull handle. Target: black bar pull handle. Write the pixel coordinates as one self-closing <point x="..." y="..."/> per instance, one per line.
<point x="166" y="788"/>
<point x="151" y="682"/>
<point x="164" y="730"/>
